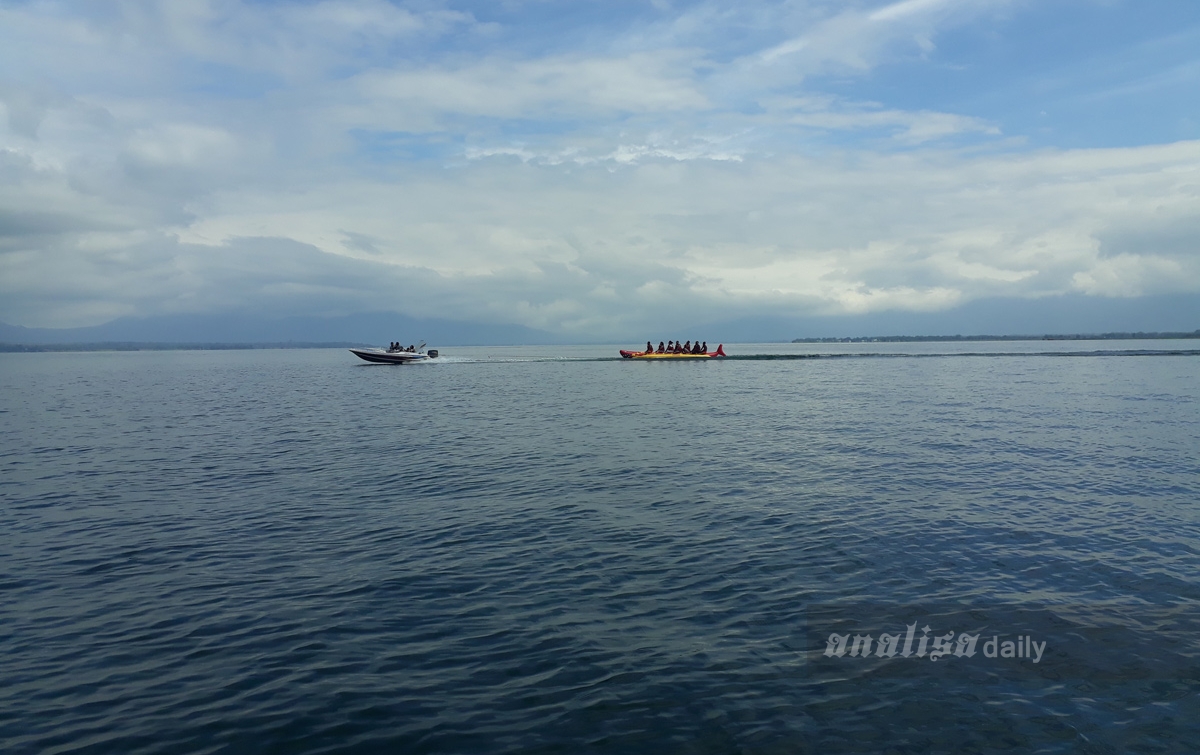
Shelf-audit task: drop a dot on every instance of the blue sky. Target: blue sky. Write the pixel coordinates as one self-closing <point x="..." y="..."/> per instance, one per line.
<point x="597" y="169"/>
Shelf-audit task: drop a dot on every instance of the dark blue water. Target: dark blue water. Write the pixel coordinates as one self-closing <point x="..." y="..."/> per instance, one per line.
<point x="294" y="552"/>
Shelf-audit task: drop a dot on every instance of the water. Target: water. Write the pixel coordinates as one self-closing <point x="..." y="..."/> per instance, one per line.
<point x="551" y="551"/>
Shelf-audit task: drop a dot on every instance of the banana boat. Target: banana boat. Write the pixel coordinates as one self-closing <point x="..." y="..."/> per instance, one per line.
<point x="720" y="352"/>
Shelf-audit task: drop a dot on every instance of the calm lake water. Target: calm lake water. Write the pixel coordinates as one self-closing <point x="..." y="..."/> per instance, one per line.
<point x="903" y="548"/>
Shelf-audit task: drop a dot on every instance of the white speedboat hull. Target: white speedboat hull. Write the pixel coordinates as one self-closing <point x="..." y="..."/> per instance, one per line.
<point x="384" y="356"/>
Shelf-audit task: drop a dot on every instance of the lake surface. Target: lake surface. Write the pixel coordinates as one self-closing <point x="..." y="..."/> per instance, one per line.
<point x="841" y="548"/>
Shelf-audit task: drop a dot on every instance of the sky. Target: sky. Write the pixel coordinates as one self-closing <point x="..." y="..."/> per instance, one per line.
<point x="594" y="168"/>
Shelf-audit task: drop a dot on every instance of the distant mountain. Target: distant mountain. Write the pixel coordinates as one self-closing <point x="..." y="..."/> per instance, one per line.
<point x="368" y="328"/>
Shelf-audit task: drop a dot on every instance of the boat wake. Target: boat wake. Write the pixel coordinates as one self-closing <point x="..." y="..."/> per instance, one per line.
<point x="949" y="354"/>
<point x="520" y="359"/>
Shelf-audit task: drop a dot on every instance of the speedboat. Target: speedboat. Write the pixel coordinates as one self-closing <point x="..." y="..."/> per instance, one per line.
<point x="720" y="352"/>
<point x="395" y="356"/>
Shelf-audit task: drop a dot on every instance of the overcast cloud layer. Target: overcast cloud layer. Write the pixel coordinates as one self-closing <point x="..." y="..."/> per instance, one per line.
<point x="593" y="168"/>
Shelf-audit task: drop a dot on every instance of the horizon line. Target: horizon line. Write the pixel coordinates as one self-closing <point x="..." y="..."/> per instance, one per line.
<point x="6" y="347"/>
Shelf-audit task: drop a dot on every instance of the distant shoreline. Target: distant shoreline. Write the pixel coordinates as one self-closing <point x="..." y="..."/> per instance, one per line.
<point x="1053" y="337"/>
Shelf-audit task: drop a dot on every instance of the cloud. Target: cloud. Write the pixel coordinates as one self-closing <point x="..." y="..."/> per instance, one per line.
<point x="602" y="249"/>
<point x="181" y="145"/>
<point x="859" y="40"/>
<point x="510" y="89"/>
<point x="653" y="147"/>
<point x="906" y="126"/>
<point x="286" y="38"/>
<point x="906" y="9"/>
<point x="595" y="179"/>
<point x="1136" y="256"/>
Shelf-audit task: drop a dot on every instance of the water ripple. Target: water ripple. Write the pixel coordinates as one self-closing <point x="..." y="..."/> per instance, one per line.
<point x="277" y="551"/>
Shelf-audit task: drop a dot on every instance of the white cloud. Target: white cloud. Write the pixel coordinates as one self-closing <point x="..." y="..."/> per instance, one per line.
<point x="859" y="40"/>
<point x="909" y="127"/>
<point x="654" y="147"/>
<point x="511" y="89"/>
<point x="182" y="144"/>
<point x="906" y="8"/>
<point x="574" y="246"/>
<point x="152" y="46"/>
<point x="1132" y="275"/>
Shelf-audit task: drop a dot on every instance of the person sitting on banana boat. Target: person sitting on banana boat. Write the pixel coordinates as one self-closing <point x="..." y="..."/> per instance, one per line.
<point x="695" y="348"/>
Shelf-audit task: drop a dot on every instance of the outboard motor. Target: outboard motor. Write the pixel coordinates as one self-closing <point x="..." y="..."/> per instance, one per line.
<point x="432" y="353"/>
